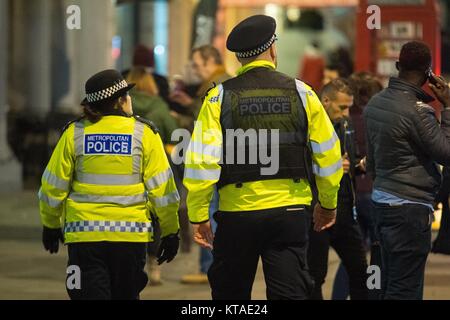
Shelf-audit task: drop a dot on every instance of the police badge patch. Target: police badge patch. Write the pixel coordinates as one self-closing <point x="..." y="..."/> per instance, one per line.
<point x="108" y="144"/>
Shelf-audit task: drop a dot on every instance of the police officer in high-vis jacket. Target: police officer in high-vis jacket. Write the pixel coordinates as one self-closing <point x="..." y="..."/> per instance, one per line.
<point x="105" y="180"/>
<point x="265" y="184"/>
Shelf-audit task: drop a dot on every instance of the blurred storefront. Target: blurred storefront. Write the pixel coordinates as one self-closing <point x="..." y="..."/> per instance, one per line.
<point x="300" y="22"/>
<point x="47" y="65"/>
<point x="400" y="22"/>
<point x="43" y="64"/>
<point x="10" y="170"/>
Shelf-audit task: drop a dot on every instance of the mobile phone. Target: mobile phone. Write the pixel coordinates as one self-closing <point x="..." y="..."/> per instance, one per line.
<point x="430" y="76"/>
<point x="179" y="85"/>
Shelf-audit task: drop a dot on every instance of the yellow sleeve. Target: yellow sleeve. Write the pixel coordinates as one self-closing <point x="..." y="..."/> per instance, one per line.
<point x="326" y="150"/>
<point x="202" y="168"/>
<point x="160" y="184"/>
<point x="56" y="180"/>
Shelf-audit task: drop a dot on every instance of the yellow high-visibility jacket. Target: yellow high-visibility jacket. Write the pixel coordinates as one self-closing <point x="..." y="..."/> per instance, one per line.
<point x="104" y="178"/>
<point x="202" y="168"/>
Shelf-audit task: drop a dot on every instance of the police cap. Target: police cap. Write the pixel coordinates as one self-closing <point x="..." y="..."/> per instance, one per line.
<point x="107" y="84"/>
<point x="252" y="36"/>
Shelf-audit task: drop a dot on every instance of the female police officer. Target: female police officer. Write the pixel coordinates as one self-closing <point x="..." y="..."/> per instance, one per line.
<point x="108" y="171"/>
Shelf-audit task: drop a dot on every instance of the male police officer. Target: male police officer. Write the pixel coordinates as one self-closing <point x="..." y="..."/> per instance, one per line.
<point x="262" y="212"/>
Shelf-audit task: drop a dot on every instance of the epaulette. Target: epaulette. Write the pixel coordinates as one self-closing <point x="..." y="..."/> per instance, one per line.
<point x="148" y="123"/>
<point x="70" y="122"/>
<point x="207" y="91"/>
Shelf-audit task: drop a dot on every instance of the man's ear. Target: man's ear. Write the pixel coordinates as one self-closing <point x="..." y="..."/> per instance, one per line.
<point x="123" y="100"/>
<point x="325" y="101"/>
<point x="273" y="53"/>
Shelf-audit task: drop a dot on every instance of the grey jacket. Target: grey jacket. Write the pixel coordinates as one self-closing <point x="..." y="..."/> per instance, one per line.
<point x="405" y="142"/>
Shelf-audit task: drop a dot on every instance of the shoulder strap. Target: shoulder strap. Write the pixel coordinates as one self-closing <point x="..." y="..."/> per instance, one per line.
<point x="70" y="122"/>
<point x="149" y="123"/>
<point x="207" y="91"/>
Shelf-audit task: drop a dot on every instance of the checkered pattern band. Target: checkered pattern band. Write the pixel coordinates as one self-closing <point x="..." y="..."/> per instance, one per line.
<point x="257" y="51"/>
<point x="106" y="93"/>
<point x="108" y="226"/>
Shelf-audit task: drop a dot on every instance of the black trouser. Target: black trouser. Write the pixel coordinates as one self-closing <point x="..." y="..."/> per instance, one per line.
<point x="346" y="239"/>
<point x="279" y="236"/>
<point x="405" y="238"/>
<point x="109" y="270"/>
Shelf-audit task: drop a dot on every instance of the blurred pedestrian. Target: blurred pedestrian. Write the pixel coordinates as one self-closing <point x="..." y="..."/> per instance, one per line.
<point x="206" y="257"/>
<point x="144" y="60"/>
<point x="405" y="144"/>
<point x="330" y="73"/>
<point x="339" y="65"/>
<point x="313" y="64"/>
<point x="345" y="236"/>
<point x="208" y="66"/>
<point x="107" y="171"/>
<point x="365" y="85"/>
<point x="144" y="57"/>
<point x="148" y="104"/>
<point x="442" y="242"/>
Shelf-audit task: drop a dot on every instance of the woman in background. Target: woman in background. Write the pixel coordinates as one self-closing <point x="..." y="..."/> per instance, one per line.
<point x="148" y="104"/>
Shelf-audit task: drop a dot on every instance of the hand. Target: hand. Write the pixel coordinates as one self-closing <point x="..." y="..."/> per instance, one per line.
<point x="345" y="163"/>
<point x="441" y="90"/>
<point x="182" y="98"/>
<point x="175" y="115"/>
<point x="168" y="248"/>
<point x="323" y="218"/>
<point x="51" y="239"/>
<point x="203" y="234"/>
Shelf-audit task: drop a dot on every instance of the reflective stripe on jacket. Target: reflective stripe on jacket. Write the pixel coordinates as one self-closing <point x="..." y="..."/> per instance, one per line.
<point x="202" y="168"/>
<point x="103" y="179"/>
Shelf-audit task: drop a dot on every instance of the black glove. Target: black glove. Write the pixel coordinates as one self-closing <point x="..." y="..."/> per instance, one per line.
<point x="168" y="248"/>
<point x="51" y="239"/>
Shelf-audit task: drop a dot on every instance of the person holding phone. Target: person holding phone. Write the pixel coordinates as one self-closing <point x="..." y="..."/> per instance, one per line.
<point x="405" y="145"/>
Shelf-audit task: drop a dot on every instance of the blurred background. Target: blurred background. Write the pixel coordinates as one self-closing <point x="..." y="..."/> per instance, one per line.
<point x="44" y="65"/>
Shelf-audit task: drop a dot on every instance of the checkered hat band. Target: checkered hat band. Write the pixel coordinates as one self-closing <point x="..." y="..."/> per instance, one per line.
<point x="257" y="51"/>
<point x="106" y="93"/>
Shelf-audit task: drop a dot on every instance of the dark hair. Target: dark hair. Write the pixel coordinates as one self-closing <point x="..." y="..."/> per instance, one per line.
<point x="143" y="56"/>
<point x="365" y="85"/>
<point x="208" y="51"/>
<point x="337" y="85"/>
<point x="415" y="56"/>
<point x="340" y="60"/>
<point x="94" y="112"/>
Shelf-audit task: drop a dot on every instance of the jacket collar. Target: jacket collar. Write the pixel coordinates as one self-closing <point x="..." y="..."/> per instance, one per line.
<point x="214" y="78"/>
<point x="400" y="84"/>
<point x="255" y="64"/>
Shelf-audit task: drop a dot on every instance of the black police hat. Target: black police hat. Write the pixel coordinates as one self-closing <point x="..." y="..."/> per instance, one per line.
<point x="252" y="36"/>
<point x="104" y="85"/>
